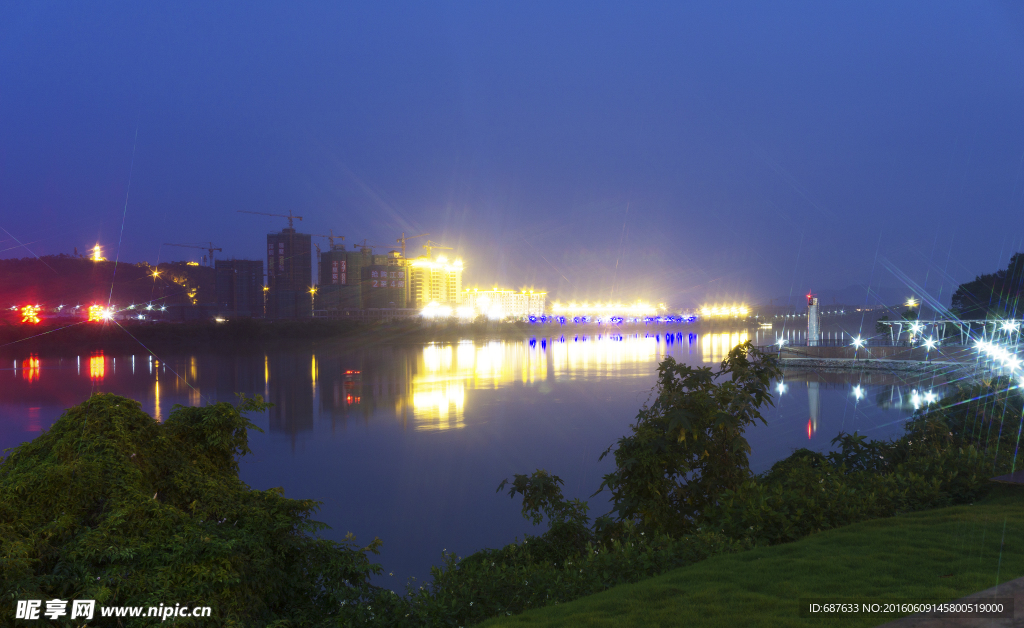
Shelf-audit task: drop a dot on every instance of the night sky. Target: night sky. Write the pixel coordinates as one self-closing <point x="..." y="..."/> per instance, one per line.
<point x="683" y="152"/>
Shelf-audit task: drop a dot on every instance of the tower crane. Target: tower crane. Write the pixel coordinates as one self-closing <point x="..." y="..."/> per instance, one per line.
<point x="289" y="216"/>
<point x="403" y="239"/>
<point x="431" y="245"/>
<point x="208" y="247"/>
<point x="364" y="245"/>
<point x="330" y="238"/>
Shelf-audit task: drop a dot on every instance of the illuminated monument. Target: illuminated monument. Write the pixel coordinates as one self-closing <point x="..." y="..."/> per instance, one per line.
<point x="813" y="322"/>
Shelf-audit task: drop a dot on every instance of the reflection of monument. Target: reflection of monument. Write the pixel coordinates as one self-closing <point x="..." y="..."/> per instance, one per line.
<point x="814" y="403"/>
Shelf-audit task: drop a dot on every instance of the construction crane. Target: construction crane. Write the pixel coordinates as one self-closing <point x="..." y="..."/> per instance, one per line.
<point x="364" y="245"/>
<point x="289" y="216"/>
<point x="330" y="238"/>
<point x="208" y="247"/>
<point x="403" y="239"/>
<point x="431" y="245"/>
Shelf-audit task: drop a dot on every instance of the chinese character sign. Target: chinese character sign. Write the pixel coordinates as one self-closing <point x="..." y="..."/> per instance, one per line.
<point x="30" y="314"/>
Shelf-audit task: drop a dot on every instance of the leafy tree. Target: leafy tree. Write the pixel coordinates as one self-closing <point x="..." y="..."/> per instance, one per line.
<point x="996" y="295"/>
<point x="113" y="506"/>
<point x="687" y="447"/>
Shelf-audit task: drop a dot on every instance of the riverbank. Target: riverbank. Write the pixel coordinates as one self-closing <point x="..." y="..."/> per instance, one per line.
<point x="248" y="332"/>
<point x="934" y="555"/>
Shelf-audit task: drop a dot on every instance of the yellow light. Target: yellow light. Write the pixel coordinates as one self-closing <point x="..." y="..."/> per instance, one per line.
<point x="156" y="273"/>
<point x="97" y="253"/>
<point x="30" y="314"/>
<point x="97" y="313"/>
<point x="191" y="263"/>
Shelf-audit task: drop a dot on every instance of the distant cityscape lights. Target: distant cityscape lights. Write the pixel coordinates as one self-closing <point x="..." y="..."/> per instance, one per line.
<point x="724" y="310"/>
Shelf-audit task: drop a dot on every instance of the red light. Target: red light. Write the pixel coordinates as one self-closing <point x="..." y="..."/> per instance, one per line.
<point x="30" y="314"/>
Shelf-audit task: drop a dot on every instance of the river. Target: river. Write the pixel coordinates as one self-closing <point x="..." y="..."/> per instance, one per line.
<point x="409" y="442"/>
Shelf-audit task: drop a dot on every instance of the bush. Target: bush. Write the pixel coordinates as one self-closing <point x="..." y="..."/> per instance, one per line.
<point x="113" y="506"/>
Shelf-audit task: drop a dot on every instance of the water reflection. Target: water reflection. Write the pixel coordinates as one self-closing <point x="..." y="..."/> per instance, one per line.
<point x="427" y="387"/>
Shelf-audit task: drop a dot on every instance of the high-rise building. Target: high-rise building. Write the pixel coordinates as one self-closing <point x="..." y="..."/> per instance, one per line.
<point x="505" y="303"/>
<point x="289" y="275"/>
<point x="384" y="286"/>
<point x="240" y="287"/>
<point x="340" y="286"/>
<point x="434" y="281"/>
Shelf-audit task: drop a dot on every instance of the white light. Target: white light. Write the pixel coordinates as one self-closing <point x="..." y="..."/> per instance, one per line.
<point x="930" y="343"/>
<point x="916" y="327"/>
<point x="858" y="341"/>
<point x="858" y="392"/>
<point x="929" y="397"/>
<point x="781" y="388"/>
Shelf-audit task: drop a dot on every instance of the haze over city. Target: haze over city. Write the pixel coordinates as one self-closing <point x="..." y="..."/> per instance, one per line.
<point x="681" y="152"/>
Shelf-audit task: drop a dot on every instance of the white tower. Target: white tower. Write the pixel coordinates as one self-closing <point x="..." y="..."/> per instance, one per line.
<point x="813" y="324"/>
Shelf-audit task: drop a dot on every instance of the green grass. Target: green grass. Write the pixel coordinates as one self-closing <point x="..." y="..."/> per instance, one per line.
<point x="936" y="555"/>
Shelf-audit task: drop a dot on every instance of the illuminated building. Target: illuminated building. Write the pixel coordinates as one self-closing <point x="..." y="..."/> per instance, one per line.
<point x="599" y="309"/>
<point x="433" y="281"/>
<point x="505" y="303"/>
<point x="240" y="287"/>
<point x="289" y="275"/>
<point x="98" y="314"/>
<point x="724" y="311"/>
<point x="97" y="254"/>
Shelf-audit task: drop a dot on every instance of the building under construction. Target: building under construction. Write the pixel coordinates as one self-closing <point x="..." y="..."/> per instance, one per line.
<point x="289" y="275"/>
<point x="240" y="287"/>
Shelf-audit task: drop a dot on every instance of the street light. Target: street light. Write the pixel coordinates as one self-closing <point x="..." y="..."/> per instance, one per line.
<point x="911" y="302"/>
<point x="858" y="342"/>
<point x="930" y="343"/>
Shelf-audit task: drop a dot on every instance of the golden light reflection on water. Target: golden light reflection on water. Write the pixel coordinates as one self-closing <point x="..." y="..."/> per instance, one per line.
<point x="444" y="373"/>
<point x="715" y="347"/>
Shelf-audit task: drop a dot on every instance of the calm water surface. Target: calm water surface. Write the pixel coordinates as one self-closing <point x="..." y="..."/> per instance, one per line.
<point x="409" y="443"/>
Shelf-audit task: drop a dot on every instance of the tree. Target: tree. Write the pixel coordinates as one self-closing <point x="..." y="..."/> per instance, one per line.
<point x="111" y="505"/>
<point x="687" y="447"/>
<point x="996" y="295"/>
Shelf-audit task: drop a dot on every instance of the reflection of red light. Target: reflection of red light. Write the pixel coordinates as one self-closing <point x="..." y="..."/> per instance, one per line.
<point x="97" y="366"/>
<point x="30" y="314"/>
<point x="30" y="368"/>
<point x="33" y="420"/>
<point x="810" y="430"/>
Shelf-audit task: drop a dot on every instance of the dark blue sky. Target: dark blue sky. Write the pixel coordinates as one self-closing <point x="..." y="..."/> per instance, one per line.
<point x="678" y="151"/>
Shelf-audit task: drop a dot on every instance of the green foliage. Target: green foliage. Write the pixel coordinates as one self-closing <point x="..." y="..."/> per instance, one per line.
<point x="993" y="296"/>
<point x="880" y="327"/>
<point x="113" y="506"/>
<point x="687" y="447"/>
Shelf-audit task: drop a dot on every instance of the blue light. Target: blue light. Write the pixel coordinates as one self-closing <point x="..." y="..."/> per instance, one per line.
<point x="533" y="319"/>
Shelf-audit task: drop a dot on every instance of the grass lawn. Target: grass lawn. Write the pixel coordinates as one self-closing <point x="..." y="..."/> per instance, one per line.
<point x="936" y="555"/>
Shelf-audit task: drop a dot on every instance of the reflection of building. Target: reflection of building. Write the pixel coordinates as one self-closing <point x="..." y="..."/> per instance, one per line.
<point x="289" y="275"/>
<point x="715" y="347"/>
<point x="240" y="287"/>
<point x="502" y="303"/>
<point x="433" y="281"/>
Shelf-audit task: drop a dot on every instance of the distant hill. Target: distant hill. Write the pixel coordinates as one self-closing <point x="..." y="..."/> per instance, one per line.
<point x="64" y="279"/>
